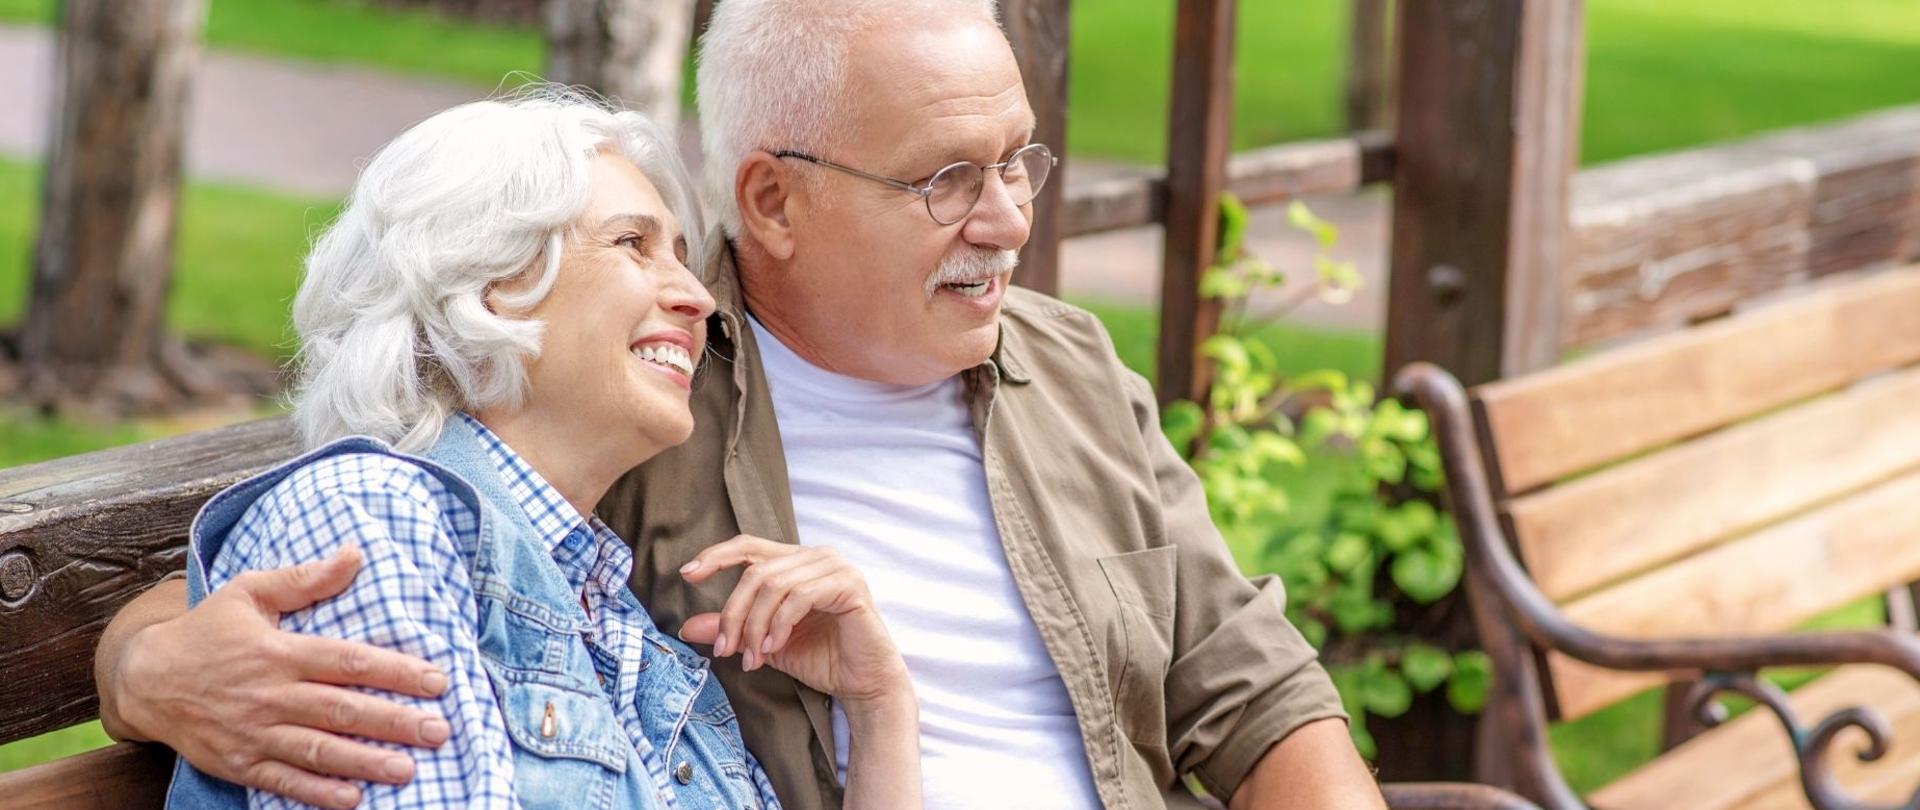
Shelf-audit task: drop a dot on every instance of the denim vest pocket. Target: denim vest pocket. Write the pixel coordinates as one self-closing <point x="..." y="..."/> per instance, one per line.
<point x="569" y="751"/>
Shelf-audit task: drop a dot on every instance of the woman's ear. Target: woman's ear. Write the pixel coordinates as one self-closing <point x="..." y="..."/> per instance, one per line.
<point x="764" y="189"/>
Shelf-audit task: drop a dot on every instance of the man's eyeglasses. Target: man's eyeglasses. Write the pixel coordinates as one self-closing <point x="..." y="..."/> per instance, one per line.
<point x="953" y="191"/>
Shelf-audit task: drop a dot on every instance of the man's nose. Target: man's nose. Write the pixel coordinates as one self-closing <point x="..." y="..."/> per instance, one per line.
<point x="995" y="221"/>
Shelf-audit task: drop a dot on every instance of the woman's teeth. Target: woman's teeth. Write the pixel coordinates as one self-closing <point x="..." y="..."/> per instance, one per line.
<point x="672" y="357"/>
<point x="974" y="290"/>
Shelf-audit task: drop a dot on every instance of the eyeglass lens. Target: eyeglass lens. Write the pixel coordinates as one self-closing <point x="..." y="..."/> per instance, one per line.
<point x="955" y="189"/>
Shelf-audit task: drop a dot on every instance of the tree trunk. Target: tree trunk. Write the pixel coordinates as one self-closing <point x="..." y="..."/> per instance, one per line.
<point x="104" y="254"/>
<point x="628" y="50"/>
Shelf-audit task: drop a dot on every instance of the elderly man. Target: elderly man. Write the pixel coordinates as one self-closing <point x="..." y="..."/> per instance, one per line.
<point x="1076" y="631"/>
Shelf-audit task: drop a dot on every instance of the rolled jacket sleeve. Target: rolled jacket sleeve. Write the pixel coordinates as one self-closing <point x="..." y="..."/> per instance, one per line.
<point x="1242" y="677"/>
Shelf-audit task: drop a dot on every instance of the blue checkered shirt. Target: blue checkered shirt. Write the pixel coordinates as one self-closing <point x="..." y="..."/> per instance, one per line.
<point x="414" y="595"/>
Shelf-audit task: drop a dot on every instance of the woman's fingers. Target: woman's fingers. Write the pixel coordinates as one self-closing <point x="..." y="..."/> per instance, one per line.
<point x="830" y="594"/>
<point x="743" y="549"/>
<point x="775" y="592"/>
<point x="701" y="628"/>
<point x="733" y="617"/>
<point x="747" y="623"/>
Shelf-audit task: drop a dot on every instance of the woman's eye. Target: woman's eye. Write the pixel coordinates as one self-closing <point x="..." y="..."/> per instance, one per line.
<point x="633" y="242"/>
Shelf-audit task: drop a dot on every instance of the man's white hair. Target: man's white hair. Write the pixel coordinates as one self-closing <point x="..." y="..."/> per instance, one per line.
<point x="772" y="75"/>
<point x="395" y="333"/>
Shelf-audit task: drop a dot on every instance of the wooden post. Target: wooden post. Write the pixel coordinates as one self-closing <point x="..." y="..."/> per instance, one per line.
<point x="103" y="258"/>
<point x="1487" y="134"/>
<point x="1038" y="31"/>
<point x="1199" y="138"/>
<point x="1487" y="140"/>
<point x="1369" y="65"/>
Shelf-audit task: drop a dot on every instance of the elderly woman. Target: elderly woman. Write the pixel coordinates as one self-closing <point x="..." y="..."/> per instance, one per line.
<point x="500" y="324"/>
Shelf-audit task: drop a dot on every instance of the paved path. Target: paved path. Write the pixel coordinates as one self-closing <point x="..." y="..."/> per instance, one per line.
<point x="306" y="128"/>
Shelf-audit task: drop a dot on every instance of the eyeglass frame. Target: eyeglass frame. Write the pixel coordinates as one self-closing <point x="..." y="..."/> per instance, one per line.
<point x="926" y="192"/>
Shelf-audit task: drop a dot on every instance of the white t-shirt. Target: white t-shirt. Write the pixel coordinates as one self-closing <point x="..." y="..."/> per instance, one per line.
<point x="891" y="477"/>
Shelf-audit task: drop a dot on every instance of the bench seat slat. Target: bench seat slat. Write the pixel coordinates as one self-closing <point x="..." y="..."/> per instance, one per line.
<point x="1747" y="764"/>
<point x="118" y="777"/>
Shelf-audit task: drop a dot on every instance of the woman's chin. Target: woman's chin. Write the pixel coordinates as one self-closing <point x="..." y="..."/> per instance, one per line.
<point x="662" y="422"/>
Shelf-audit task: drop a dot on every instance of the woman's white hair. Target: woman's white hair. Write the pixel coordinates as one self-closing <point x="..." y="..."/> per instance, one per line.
<point x="772" y="75"/>
<point x="395" y="333"/>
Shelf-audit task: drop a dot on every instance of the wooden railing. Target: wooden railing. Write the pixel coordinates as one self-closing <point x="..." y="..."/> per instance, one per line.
<point x="1662" y="241"/>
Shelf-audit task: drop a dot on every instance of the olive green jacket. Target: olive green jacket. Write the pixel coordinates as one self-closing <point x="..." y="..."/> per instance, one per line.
<point x="1173" y="661"/>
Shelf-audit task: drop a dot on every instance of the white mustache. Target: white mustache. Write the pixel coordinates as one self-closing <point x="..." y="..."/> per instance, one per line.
<point x="971" y="267"/>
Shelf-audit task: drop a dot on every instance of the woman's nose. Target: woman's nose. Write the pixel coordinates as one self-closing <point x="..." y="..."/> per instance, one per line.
<point x="687" y="297"/>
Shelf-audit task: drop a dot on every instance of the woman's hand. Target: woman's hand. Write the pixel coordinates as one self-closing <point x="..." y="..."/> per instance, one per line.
<point x="805" y="611"/>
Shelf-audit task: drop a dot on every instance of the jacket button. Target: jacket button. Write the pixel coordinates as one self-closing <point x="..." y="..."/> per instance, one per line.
<point x="684" y="773"/>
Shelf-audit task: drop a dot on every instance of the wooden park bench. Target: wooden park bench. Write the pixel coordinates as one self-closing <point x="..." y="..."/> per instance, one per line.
<point x="80" y="536"/>
<point x="1668" y="513"/>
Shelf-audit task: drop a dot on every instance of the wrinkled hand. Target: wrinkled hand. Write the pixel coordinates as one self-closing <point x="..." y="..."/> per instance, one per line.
<point x="246" y="702"/>
<point x="805" y="611"/>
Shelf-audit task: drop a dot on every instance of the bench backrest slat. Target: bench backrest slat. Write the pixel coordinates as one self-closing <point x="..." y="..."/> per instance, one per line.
<point x="1738" y="477"/>
<point x="1766" y="582"/>
<point x="1563" y="421"/>
<point x="81" y="536"/>
<point x="1594" y="530"/>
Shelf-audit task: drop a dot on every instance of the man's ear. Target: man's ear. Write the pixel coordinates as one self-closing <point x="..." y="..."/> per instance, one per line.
<point x="764" y="189"/>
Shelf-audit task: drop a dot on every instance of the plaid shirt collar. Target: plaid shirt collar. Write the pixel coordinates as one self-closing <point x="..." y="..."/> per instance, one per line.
<point x="580" y="545"/>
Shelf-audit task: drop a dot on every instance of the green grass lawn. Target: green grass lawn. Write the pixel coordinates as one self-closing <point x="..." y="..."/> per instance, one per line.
<point x="355" y="32"/>
<point x="1661" y="74"/>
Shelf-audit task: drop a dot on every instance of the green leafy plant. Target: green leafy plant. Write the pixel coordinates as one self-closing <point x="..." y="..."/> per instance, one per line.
<point x="1354" y="564"/>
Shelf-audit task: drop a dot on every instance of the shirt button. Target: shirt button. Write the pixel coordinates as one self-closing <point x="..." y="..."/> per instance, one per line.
<point x="684" y="773"/>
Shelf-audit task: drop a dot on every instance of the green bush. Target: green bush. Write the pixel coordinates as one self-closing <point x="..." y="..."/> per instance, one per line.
<point x="1379" y="545"/>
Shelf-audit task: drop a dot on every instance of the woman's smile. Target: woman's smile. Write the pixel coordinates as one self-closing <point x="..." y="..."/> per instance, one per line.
<point x="669" y="354"/>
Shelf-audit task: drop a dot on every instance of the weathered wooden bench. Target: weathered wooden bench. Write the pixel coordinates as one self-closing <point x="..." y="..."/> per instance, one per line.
<point x="1668" y="513"/>
<point x="80" y="536"/>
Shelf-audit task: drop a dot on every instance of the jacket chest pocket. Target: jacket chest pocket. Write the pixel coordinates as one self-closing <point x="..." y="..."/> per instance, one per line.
<point x="569" y="752"/>
<point x="569" y="749"/>
<point x="1143" y="588"/>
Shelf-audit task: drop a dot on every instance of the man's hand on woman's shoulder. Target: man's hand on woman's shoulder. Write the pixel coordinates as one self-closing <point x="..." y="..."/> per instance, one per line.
<point x="249" y="703"/>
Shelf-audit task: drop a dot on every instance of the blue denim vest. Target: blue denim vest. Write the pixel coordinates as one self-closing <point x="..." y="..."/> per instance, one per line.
<point x="530" y="631"/>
